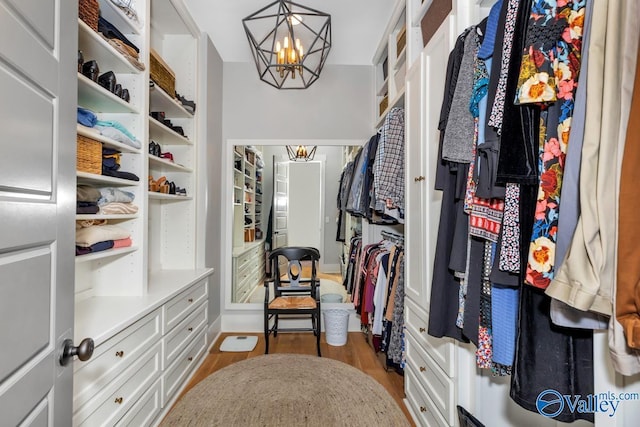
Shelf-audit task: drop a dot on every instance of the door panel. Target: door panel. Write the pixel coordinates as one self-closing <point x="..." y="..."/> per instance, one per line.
<point x="27" y="297"/>
<point x="37" y="207"/>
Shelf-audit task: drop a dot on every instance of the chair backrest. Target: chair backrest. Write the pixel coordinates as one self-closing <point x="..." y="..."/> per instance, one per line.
<point x="294" y="282"/>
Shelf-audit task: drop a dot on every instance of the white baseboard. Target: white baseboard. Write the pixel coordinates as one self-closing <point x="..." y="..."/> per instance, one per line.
<point x="214" y="331"/>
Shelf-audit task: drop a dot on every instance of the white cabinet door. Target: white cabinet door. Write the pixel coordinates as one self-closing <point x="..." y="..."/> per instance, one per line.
<point x="424" y="92"/>
<point x="37" y="207"/>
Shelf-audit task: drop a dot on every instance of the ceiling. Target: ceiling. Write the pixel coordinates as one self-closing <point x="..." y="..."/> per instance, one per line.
<point x="356" y="26"/>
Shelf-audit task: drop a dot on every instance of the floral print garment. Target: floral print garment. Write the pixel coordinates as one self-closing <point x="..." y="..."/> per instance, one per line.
<point x="549" y="76"/>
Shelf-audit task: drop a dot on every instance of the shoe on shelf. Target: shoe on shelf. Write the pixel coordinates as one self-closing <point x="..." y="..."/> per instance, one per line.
<point x="172" y="187"/>
<point x="125" y="95"/>
<point x="80" y="60"/>
<point x="190" y="106"/>
<point x="117" y="90"/>
<point x="167" y="156"/>
<point x="108" y="81"/>
<point x="91" y="70"/>
<point x="181" y="191"/>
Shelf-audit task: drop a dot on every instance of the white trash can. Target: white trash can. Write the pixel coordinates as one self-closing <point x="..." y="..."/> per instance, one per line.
<point x="336" y="326"/>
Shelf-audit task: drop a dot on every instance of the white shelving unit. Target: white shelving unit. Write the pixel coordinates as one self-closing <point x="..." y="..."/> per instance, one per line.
<point x="158" y="275"/>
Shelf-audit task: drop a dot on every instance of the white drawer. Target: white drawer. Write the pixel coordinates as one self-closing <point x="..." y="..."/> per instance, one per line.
<point x="442" y="350"/>
<point x="441" y="389"/>
<point x="112" y="356"/>
<point x="113" y="401"/>
<point x="183" y="304"/>
<point x="176" y="340"/>
<point x="145" y="410"/>
<point x="175" y="376"/>
<point x="425" y="411"/>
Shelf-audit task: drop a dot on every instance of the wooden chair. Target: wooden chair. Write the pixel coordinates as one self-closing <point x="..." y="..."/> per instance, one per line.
<point x="293" y="295"/>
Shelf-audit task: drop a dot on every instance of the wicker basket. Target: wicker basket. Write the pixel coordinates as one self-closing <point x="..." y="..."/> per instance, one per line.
<point x="384" y="104"/>
<point x="89" y="155"/>
<point x="89" y="12"/>
<point x="401" y="40"/>
<point x="162" y="74"/>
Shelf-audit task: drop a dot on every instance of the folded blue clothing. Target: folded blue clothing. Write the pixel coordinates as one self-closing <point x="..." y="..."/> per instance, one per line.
<point x="87" y="117"/>
<point x="118" y="135"/>
<point x="112" y="194"/>
<point x="117" y="125"/>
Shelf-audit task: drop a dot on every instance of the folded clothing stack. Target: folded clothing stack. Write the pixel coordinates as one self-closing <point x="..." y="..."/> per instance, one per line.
<point x="114" y="201"/>
<point x="97" y="235"/>
<point x="108" y="128"/>
<point x="87" y="198"/>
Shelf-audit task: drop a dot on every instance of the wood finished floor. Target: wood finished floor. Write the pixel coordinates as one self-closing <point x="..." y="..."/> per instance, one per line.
<point x="357" y="353"/>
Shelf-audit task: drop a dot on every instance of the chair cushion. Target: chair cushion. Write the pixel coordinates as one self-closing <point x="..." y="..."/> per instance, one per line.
<point x="293" y="302"/>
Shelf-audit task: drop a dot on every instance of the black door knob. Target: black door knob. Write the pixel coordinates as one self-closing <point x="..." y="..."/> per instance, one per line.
<point x="84" y="351"/>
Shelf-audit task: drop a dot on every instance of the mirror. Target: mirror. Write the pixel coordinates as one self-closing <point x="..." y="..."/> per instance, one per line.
<point x="279" y="202"/>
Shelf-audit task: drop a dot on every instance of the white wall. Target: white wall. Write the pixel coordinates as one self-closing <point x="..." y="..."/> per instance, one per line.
<point x="337" y="106"/>
<point x="210" y="173"/>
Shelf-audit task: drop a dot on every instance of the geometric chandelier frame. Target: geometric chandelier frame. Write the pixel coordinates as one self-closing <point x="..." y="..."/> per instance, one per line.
<point x="289" y="43"/>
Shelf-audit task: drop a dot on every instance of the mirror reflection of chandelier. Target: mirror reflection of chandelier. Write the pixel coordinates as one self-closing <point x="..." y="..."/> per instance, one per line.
<point x="289" y="42"/>
<point x="300" y="153"/>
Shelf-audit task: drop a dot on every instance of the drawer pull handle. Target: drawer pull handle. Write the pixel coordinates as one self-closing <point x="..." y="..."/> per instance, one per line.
<point x="190" y="300"/>
<point x="190" y="329"/>
<point x="422" y="369"/>
<point x="118" y="400"/>
<point x="423" y="409"/>
<point x="422" y="330"/>
<point x="418" y="178"/>
<point x="189" y="358"/>
<point x="119" y="353"/>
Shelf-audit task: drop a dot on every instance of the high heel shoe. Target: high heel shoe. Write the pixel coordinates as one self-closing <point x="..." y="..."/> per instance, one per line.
<point x="117" y="90"/>
<point x="108" y="81"/>
<point x="91" y="70"/>
<point x="125" y="95"/>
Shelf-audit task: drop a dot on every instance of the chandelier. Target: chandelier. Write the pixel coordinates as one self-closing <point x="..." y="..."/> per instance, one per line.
<point x="289" y="42"/>
<point x="300" y="153"/>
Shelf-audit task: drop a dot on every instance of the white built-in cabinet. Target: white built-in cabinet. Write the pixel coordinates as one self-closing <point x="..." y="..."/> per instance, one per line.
<point x="145" y="306"/>
<point x="441" y="373"/>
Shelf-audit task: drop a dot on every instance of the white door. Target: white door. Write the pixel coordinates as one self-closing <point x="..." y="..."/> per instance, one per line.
<point x="306" y="204"/>
<point x="37" y="208"/>
<point x="280" y="205"/>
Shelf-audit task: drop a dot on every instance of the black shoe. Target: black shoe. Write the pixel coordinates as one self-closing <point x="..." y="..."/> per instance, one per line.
<point x="108" y="81"/>
<point x="91" y="70"/>
<point x="80" y="60"/>
<point x="117" y="90"/>
<point x="125" y="95"/>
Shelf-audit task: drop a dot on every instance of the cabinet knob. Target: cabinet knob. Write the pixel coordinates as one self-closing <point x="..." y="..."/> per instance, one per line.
<point x="189" y="358"/>
<point x="190" y="300"/>
<point x="422" y="330"/>
<point x="423" y="409"/>
<point x="118" y="400"/>
<point x="422" y="369"/>
<point x="119" y="353"/>
<point x="190" y="329"/>
<point x="84" y="351"/>
<point x="418" y="178"/>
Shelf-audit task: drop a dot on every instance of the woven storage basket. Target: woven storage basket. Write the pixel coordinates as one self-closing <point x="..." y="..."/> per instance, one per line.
<point x="89" y="12"/>
<point x="384" y="104"/>
<point x="162" y="74"/>
<point x="89" y="155"/>
<point x="401" y="40"/>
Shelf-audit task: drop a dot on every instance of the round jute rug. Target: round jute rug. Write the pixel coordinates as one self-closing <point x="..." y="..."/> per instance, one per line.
<point x="287" y="390"/>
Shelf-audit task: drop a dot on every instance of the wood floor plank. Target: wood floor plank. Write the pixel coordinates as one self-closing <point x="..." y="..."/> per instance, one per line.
<point x="357" y="352"/>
